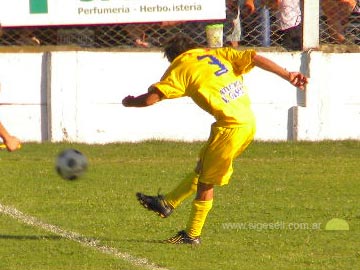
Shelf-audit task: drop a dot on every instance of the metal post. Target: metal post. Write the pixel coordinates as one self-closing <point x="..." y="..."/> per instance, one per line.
<point x="265" y="26"/>
<point x="311" y="19"/>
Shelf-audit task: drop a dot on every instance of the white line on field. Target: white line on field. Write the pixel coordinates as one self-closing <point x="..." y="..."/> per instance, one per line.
<point x="73" y="236"/>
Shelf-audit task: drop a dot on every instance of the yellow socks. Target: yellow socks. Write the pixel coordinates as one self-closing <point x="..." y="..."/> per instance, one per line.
<point x="199" y="209"/>
<point x="198" y="215"/>
<point x="186" y="188"/>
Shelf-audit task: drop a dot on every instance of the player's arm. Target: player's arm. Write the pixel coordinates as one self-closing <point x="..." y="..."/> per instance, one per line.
<point x="295" y="78"/>
<point x="11" y="142"/>
<point x="144" y="100"/>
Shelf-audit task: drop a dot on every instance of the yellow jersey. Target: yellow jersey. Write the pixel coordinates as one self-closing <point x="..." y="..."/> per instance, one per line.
<point x="213" y="79"/>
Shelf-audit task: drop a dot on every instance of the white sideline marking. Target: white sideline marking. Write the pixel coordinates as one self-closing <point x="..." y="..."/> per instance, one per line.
<point x="73" y="236"/>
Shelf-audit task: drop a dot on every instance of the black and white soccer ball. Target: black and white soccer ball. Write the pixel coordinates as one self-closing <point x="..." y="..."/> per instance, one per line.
<point x="71" y="164"/>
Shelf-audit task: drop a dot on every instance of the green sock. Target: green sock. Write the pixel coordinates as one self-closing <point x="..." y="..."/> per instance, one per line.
<point x="199" y="212"/>
<point x="186" y="188"/>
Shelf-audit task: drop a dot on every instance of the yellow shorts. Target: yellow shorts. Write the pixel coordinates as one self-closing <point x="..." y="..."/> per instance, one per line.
<point x="223" y="146"/>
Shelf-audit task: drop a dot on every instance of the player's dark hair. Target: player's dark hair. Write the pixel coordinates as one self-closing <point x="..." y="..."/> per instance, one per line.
<point x="177" y="45"/>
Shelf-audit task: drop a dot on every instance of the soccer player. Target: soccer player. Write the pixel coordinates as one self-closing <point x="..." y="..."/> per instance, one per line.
<point x="10" y="142"/>
<point x="213" y="79"/>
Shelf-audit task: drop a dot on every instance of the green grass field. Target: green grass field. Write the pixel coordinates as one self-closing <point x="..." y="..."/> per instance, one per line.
<point x="272" y="215"/>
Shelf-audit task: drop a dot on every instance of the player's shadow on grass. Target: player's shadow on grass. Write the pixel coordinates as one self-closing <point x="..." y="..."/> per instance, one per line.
<point x="30" y="237"/>
<point x="150" y="241"/>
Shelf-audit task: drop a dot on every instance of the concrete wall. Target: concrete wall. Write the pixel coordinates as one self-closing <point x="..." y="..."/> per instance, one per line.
<point x="76" y="96"/>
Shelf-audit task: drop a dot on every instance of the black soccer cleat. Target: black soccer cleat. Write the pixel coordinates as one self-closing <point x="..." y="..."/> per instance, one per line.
<point x="155" y="203"/>
<point x="182" y="238"/>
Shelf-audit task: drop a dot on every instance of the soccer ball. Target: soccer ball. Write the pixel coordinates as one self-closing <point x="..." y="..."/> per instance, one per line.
<point x="71" y="164"/>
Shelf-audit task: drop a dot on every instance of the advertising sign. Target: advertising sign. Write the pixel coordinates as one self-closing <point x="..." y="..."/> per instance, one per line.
<point x="84" y="12"/>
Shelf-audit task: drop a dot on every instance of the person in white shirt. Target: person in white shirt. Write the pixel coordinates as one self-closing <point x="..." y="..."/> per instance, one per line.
<point x="289" y="18"/>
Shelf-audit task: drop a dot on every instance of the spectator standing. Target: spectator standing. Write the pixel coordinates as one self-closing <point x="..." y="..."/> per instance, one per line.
<point x="289" y="17"/>
<point x="137" y="34"/>
<point x="235" y="9"/>
<point x="27" y="37"/>
<point x="255" y="22"/>
<point x="337" y="14"/>
<point x="232" y="27"/>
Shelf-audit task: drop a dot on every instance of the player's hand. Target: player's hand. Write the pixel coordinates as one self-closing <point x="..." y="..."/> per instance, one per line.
<point x="128" y="101"/>
<point x="298" y="79"/>
<point x="12" y="143"/>
<point x="144" y="100"/>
